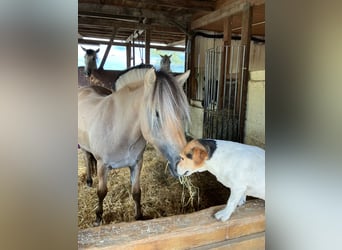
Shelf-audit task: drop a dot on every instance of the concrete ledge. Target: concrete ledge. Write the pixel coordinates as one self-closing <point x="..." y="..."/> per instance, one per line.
<point x="257" y="75"/>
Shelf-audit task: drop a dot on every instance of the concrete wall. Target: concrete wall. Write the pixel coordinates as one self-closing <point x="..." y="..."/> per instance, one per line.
<point x="195" y="129"/>
<point x="255" y="112"/>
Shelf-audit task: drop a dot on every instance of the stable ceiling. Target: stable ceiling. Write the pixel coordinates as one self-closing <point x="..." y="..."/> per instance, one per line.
<point x="168" y="21"/>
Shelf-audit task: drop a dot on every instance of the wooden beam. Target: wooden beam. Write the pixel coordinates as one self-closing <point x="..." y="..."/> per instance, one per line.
<point x="227" y="34"/>
<point x="134" y="35"/>
<point x="128" y="55"/>
<point x="147" y="45"/>
<point x="191" y="5"/>
<point x="98" y="42"/>
<point x="108" y="48"/>
<point x="226" y="11"/>
<point x="193" y="83"/>
<point x="244" y="230"/>
<point x="128" y="13"/>
<point x="247" y="16"/>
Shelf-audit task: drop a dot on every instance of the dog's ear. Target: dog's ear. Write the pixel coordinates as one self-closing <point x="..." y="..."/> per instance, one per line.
<point x="199" y="155"/>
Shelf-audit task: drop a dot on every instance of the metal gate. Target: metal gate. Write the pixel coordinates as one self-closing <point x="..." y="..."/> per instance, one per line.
<point x="222" y="96"/>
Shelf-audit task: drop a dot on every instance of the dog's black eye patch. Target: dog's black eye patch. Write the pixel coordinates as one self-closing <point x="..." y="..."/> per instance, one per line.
<point x="210" y="145"/>
<point x="189" y="155"/>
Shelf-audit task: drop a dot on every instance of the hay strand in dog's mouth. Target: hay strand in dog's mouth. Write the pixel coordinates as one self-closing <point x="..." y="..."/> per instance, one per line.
<point x="191" y="189"/>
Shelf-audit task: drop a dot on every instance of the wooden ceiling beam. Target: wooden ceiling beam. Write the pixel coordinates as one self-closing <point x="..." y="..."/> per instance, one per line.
<point x="226" y="11"/>
<point x="85" y="21"/>
<point x="110" y="11"/>
<point x="98" y="42"/>
<point x="191" y="5"/>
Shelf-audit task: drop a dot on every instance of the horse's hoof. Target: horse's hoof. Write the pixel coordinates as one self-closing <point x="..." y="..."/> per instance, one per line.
<point x="97" y="223"/>
<point x="139" y="217"/>
<point x="89" y="182"/>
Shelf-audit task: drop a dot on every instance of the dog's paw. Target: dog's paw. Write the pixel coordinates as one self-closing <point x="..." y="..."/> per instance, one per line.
<point x="222" y="215"/>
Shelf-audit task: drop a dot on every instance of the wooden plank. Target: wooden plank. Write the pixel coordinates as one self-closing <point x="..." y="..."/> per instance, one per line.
<point x="177" y="232"/>
<point x="249" y="242"/>
<point x="226" y="11"/>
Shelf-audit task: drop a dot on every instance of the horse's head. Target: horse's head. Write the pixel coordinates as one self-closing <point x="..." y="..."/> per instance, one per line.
<point x="90" y="58"/>
<point x="164" y="112"/>
<point x="165" y="63"/>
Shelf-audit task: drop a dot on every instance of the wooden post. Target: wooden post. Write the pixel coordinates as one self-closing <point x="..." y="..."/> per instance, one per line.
<point x="108" y="48"/>
<point x="193" y="83"/>
<point x="227" y="34"/>
<point x="242" y="93"/>
<point x="147" y="45"/>
<point x="128" y="54"/>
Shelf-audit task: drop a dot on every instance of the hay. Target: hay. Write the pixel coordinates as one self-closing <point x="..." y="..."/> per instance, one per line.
<point x="162" y="194"/>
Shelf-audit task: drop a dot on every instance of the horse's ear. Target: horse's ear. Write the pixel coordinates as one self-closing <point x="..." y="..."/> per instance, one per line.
<point x="161" y="56"/>
<point x="97" y="50"/>
<point x="150" y="77"/>
<point x="84" y="49"/>
<point x="170" y="56"/>
<point x="181" y="79"/>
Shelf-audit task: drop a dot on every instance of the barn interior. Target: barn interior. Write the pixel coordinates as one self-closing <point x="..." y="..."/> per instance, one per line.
<point x="224" y="46"/>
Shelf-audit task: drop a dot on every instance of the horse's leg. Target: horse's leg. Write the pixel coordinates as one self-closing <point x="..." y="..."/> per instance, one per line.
<point x="90" y="167"/>
<point x="136" y="191"/>
<point x="102" y="172"/>
<point x="90" y="163"/>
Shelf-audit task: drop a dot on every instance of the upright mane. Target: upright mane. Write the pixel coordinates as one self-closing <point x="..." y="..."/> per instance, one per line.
<point x="168" y="103"/>
<point x="131" y="75"/>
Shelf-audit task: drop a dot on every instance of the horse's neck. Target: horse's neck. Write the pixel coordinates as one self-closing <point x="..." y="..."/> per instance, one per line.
<point x="131" y="79"/>
<point x="102" y="78"/>
<point x="165" y="67"/>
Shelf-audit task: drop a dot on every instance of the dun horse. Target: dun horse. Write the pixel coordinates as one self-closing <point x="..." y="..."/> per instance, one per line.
<point x="113" y="128"/>
<point x="165" y="63"/>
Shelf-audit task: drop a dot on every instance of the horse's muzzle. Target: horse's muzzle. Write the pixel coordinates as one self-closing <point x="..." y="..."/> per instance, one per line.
<point x="173" y="168"/>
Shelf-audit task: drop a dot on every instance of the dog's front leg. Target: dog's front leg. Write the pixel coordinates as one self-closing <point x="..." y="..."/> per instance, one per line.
<point x="235" y="198"/>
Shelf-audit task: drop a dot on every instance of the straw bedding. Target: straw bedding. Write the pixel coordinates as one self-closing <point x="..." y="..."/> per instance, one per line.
<point x="162" y="194"/>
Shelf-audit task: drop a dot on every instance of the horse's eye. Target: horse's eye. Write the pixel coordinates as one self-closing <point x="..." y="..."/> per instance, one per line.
<point x="157" y="114"/>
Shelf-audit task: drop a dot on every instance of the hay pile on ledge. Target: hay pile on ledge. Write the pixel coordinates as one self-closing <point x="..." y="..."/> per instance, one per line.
<point x="162" y="195"/>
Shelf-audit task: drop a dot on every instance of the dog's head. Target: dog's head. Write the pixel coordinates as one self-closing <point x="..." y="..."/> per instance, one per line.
<point x="194" y="155"/>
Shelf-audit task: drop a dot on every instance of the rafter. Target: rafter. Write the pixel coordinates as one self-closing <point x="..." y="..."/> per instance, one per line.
<point x="191" y="5"/>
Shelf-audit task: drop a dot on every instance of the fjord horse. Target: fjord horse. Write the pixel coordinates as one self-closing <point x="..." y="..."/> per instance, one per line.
<point x="113" y="128"/>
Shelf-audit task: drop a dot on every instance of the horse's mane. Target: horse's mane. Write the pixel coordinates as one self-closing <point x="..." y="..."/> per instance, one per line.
<point x="131" y="75"/>
<point x="170" y="101"/>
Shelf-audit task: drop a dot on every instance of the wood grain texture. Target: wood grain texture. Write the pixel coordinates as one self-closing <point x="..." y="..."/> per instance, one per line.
<point x="243" y="231"/>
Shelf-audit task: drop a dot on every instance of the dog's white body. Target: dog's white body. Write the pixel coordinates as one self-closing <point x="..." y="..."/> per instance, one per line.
<point x="238" y="166"/>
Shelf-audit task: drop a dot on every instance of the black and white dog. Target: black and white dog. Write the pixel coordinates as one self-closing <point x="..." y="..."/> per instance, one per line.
<point x="239" y="167"/>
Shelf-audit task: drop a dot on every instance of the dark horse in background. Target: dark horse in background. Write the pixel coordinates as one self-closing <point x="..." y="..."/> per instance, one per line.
<point x="114" y="126"/>
<point x="91" y="75"/>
